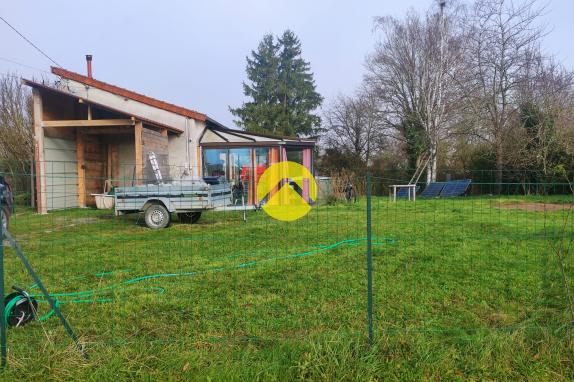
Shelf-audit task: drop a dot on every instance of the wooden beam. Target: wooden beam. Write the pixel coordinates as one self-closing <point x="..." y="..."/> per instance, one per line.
<point x="164" y="132"/>
<point x="42" y="206"/>
<point x="81" y="167"/>
<point x="88" y="123"/>
<point x="138" y="152"/>
<point x="109" y="130"/>
<point x="50" y="89"/>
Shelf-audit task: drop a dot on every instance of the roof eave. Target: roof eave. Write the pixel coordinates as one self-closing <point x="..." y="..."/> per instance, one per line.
<point x="37" y="85"/>
<point x="214" y="125"/>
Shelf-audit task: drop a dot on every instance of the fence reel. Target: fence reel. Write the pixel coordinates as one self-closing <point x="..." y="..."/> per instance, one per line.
<point x="19" y="308"/>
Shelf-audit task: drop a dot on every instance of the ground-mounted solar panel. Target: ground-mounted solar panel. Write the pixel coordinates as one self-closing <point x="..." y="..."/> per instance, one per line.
<point x="403" y="192"/>
<point x="455" y="188"/>
<point x="432" y="190"/>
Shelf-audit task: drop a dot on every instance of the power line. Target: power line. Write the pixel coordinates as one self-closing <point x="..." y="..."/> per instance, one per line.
<point x="29" y="42"/>
<point x="24" y="65"/>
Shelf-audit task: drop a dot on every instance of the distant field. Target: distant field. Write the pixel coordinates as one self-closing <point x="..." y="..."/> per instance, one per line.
<point x="464" y="289"/>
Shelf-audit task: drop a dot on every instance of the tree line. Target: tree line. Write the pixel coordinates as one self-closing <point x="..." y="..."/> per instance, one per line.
<point x="461" y="86"/>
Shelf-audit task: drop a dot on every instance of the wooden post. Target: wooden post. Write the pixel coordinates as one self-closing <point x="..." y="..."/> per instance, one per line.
<point x="115" y="174"/>
<point x="32" y="182"/>
<point x="109" y="161"/>
<point x="138" y="152"/>
<point x="39" y="152"/>
<point x="81" y="167"/>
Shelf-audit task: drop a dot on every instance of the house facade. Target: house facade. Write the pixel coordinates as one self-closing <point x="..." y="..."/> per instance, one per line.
<point x="89" y="134"/>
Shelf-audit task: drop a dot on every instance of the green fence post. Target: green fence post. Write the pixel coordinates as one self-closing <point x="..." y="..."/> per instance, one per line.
<point x="369" y="262"/>
<point x="46" y="295"/>
<point x="2" y="322"/>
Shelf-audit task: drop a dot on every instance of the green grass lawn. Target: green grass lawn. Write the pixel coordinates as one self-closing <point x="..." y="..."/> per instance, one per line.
<point x="464" y="289"/>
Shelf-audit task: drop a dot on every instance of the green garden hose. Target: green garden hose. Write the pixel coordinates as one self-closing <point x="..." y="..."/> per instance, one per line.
<point x="89" y="295"/>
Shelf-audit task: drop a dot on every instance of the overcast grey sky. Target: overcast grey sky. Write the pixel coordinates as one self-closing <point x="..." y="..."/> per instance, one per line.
<point x="192" y="53"/>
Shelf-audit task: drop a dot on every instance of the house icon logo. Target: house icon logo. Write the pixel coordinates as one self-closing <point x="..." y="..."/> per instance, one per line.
<point x="287" y="189"/>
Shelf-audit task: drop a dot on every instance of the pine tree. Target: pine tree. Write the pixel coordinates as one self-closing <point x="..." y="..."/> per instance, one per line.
<point x="281" y="90"/>
<point x="297" y="93"/>
<point x="261" y="113"/>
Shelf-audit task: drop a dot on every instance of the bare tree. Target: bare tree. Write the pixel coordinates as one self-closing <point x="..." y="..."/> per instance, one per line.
<point x="15" y="125"/>
<point x="353" y="126"/>
<point x="546" y="100"/>
<point x="500" y="37"/>
<point x="410" y="72"/>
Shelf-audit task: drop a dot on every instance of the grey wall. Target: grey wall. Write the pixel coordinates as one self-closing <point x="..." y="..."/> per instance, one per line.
<point x="61" y="173"/>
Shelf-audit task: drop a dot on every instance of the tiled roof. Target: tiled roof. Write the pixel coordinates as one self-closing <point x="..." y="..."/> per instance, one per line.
<point x="128" y="94"/>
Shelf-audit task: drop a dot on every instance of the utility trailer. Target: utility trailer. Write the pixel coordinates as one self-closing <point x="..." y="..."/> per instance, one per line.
<point x="187" y="198"/>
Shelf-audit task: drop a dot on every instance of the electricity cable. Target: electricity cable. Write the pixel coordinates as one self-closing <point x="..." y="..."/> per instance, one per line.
<point x="29" y="42"/>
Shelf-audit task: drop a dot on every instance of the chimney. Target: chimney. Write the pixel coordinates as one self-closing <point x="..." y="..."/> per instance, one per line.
<point x="89" y="63"/>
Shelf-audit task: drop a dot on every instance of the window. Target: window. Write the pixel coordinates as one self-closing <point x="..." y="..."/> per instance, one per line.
<point x="261" y="161"/>
<point x="215" y="162"/>
<point x="295" y="155"/>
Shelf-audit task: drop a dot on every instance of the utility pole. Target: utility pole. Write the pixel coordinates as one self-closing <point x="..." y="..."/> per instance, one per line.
<point x="440" y="76"/>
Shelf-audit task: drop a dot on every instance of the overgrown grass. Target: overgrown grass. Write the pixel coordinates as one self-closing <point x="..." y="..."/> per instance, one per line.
<point x="463" y="290"/>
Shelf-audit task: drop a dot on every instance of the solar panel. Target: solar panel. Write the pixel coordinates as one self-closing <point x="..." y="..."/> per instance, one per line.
<point x="403" y="192"/>
<point x="455" y="188"/>
<point x="433" y="190"/>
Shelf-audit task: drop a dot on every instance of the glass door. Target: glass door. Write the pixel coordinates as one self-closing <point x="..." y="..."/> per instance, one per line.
<point x="241" y="174"/>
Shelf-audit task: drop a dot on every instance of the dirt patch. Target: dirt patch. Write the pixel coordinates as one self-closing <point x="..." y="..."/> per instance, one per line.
<point x="541" y="207"/>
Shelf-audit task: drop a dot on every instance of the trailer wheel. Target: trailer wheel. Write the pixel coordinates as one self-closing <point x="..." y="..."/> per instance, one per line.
<point x="5" y="217"/>
<point x="189" y="217"/>
<point x="157" y="216"/>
